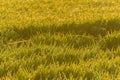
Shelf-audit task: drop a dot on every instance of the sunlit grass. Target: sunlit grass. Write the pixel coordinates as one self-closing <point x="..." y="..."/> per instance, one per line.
<point x="59" y="40"/>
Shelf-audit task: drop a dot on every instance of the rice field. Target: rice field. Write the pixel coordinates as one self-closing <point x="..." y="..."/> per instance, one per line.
<point x="59" y="40"/>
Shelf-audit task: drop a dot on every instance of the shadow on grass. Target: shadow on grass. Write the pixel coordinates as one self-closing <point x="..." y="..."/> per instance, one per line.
<point x="99" y="27"/>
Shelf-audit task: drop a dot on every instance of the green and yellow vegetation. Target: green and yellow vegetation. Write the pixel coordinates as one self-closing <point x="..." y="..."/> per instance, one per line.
<point x="59" y="40"/>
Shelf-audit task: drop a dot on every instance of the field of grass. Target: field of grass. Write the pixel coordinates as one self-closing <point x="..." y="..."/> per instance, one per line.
<point x="59" y="40"/>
